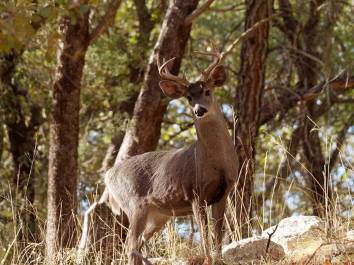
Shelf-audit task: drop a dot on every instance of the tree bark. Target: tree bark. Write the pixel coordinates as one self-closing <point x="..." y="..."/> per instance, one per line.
<point x="64" y="133"/>
<point x="248" y="102"/>
<point x="144" y="131"/>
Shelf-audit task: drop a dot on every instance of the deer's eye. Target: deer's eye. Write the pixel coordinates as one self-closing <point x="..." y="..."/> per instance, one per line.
<point x="189" y="98"/>
<point x="207" y="93"/>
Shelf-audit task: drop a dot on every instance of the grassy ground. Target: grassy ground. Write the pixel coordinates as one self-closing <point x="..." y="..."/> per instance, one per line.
<point x="169" y="244"/>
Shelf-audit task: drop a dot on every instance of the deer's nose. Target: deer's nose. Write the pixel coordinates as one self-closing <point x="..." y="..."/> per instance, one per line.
<point x="200" y="111"/>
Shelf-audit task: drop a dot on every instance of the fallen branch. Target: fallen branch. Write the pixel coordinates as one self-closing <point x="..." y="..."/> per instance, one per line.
<point x="269" y="238"/>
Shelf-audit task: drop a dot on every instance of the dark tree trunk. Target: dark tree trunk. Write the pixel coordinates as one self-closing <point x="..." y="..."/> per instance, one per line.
<point x="144" y="130"/>
<point x="248" y="100"/>
<point x="307" y="38"/>
<point x="315" y="164"/>
<point x="21" y="131"/>
<point x="64" y="133"/>
<point x="21" y="135"/>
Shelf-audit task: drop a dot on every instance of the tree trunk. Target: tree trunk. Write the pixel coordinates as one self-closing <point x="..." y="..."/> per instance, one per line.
<point x="315" y="164"/>
<point x="108" y="232"/>
<point x="21" y="134"/>
<point x="307" y="38"/>
<point x="248" y="102"/>
<point x="144" y="130"/>
<point x="64" y="133"/>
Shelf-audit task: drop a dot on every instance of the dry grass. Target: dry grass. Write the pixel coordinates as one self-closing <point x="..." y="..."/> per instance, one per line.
<point x="171" y="245"/>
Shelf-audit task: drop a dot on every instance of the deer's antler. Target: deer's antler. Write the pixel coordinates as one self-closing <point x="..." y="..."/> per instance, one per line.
<point x="217" y="58"/>
<point x="166" y="75"/>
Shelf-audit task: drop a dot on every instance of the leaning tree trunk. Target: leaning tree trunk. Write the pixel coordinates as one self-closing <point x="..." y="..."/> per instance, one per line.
<point x="248" y="101"/>
<point x="64" y="133"/>
<point x="109" y="231"/>
<point x="144" y="130"/>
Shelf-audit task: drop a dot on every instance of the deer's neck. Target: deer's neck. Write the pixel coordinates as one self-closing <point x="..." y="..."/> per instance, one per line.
<point x="214" y="141"/>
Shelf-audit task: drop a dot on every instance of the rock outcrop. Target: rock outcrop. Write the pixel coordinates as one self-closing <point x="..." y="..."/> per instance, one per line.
<point x="295" y="240"/>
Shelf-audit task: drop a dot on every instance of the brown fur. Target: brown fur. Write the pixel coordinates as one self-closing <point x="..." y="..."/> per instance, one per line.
<point x="153" y="187"/>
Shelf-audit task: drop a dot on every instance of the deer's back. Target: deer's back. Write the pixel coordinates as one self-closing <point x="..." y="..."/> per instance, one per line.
<point x="160" y="178"/>
<point x="165" y="179"/>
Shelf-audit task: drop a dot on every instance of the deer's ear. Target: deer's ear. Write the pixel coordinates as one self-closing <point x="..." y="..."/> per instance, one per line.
<point x="217" y="76"/>
<point x="172" y="89"/>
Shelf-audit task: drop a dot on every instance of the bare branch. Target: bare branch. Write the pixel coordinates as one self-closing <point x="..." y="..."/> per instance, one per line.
<point x="196" y="13"/>
<point x="337" y="83"/>
<point x="106" y="20"/>
<point x="270" y="236"/>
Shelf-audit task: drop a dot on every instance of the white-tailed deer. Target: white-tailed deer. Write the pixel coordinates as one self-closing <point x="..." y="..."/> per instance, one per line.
<point x="153" y="187"/>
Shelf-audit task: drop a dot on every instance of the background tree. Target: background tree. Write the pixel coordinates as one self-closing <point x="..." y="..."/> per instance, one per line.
<point x="16" y="104"/>
<point x="144" y="131"/>
<point x="248" y="101"/>
<point x="64" y="127"/>
<point x="119" y="68"/>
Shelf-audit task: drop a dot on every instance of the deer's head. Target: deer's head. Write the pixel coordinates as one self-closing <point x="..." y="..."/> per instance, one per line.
<point x="200" y="94"/>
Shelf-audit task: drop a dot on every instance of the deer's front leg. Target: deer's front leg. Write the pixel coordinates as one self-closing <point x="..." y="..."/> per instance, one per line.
<point x="200" y="214"/>
<point x="218" y="211"/>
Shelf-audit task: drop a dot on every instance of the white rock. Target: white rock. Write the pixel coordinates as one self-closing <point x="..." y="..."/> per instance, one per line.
<point x="300" y="236"/>
<point x="251" y="249"/>
<point x="350" y="235"/>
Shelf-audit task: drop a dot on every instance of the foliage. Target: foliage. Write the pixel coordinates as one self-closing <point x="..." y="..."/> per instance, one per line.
<point x="106" y="85"/>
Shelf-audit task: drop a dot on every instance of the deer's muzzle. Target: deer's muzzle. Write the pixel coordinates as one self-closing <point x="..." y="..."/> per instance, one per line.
<point x="199" y="111"/>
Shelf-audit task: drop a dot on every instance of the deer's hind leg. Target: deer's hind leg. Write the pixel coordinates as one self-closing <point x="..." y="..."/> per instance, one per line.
<point x="155" y="223"/>
<point x="137" y="226"/>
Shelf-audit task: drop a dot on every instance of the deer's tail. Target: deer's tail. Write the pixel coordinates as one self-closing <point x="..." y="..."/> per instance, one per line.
<point x="85" y="228"/>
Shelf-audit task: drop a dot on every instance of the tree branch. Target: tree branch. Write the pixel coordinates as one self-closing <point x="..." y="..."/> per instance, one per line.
<point x="337" y="83"/>
<point x="106" y="20"/>
<point x="289" y="98"/>
<point x="246" y="34"/>
<point x="196" y="13"/>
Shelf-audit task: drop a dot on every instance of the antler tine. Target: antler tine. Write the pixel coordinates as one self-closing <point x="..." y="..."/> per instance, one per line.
<point x="217" y="55"/>
<point x="165" y="73"/>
